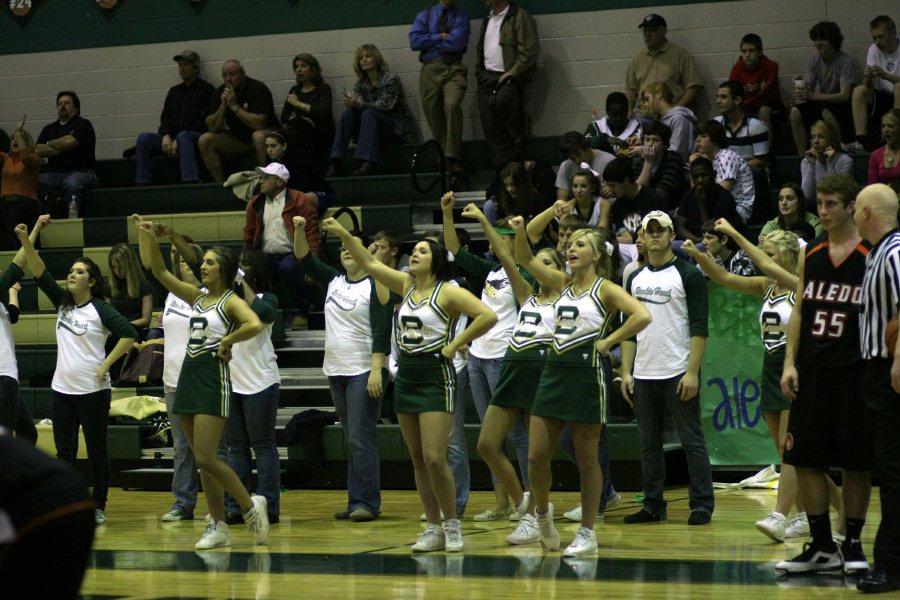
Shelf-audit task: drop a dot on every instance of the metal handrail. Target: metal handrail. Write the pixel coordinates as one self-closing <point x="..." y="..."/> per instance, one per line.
<point x="442" y="171"/>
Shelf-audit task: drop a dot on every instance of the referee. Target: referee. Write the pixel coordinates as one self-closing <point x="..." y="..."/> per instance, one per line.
<point x="876" y="221"/>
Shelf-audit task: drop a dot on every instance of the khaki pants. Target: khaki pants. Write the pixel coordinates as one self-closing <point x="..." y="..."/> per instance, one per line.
<point x="442" y="87"/>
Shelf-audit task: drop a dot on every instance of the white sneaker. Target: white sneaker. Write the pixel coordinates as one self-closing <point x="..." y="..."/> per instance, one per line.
<point x="494" y="515"/>
<point x="216" y="536"/>
<point x="453" y="541"/>
<point x="527" y="531"/>
<point x="99" y="517"/>
<point x="430" y="540"/>
<point x="812" y="560"/>
<point x="549" y="535"/>
<point x="257" y="519"/>
<point x="522" y="508"/>
<point x="585" y="543"/>
<point x="797" y="527"/>
<point x="574" y="515"/>
<point x="773" y="526"/>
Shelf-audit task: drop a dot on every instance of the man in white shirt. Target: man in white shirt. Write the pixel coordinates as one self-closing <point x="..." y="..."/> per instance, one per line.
<point x="508" y="48"/>
<point x="880" y="89"/>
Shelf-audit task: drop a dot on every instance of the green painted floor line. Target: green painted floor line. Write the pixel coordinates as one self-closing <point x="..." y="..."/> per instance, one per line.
<point x="516" y="562"/>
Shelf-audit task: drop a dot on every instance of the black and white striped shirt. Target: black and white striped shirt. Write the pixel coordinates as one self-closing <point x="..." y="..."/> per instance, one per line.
<point x="881" y="295"/>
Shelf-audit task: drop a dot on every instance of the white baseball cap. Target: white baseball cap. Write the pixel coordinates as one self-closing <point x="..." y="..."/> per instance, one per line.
<point x="276" y="169"/>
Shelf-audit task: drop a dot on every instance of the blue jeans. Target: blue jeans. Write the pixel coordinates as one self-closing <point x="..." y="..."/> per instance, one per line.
<point x="149" y="144"/>
<point x="287" y="269"/>
<point x="457" y="448"/>
<point x="70" y="185"/>
<point x="484" y="373"/>
<point x="252" y="424"/>
<point x="91" y="411"/>
<point x="359" y="413"/>
<point x="651" y="398"/>
<point x="369" y="127"/>
<point x="185" y="478"/>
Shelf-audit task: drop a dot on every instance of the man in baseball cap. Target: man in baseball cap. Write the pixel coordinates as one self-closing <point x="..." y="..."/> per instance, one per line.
<point x="661" y="370"/>
<point x="180" y="125"/>
<point x="660" y="61"/>
<point x="269" y="227"/>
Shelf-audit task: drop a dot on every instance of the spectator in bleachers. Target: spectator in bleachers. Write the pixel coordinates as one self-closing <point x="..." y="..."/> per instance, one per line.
<point x="880" y="89"/>
<point x="825" y="91"/>
<point x="130" y="292"/>
<point x="660" y="168"/>
<point x="657" y="98"/>
<point x="376" y="114"/>
<point x="586" y="201"/>
<point x="357" y="340"/>
<point x="747" y="135"/>
<point x="245" y="106"/>
<point x="615" y="131"/>
<point x="758" y="74"/>
<point x="576" y="150"/>
<point x="255" y="386"/>
<point x="662" y="61"/>
<point x="269" y="227"/>
<point x="884" y="164"/>
<point x="440" y="35"/>
<point x="732" y="171"/>
<point x="518" y="195"/>
<point x="539" y="232"/>
<point x="508" y="49"/>
<point x="632" y="200"/>
<point x="824" y="157"/>
<point x="387" y="247"/>
<point x="181" y="124"/>
<point x="705" y="201"/>
<point x="18" y="187"/>
<point x="791" y="211"/>
<point x="68" y="145"/>
<point x="723" y="250"/>
<point x="308" y="120"/>
<point x="303" y="176"/>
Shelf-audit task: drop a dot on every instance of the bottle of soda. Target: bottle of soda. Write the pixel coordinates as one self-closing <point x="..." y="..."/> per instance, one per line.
<point x="73" y="208"/>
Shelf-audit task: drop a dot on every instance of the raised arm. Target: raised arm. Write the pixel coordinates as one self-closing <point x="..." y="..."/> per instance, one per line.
<point x="542" y="220"/>
<point x="152" y="258"/>
<point x="551" y="280"/>
<point x="521" y="288"/>
<point x="748" y="285"/>
<point x="301" y="244"/>
<point x="760" y="258"/>
<point x="790" y="381"/>
<point x="42" y="222"/>
<point x="394" y="280"/>
<point x="35" y="262"/>
<point x="451" y="241"/>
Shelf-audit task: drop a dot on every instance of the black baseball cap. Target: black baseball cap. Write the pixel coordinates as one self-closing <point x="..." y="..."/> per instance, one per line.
<point x="653" y="21"/>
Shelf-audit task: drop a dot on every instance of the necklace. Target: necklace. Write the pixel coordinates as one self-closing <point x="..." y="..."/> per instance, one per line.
<point x="890" y="157"/>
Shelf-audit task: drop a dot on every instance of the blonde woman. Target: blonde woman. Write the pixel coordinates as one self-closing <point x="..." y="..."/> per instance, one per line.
<point x="824" y="157"/>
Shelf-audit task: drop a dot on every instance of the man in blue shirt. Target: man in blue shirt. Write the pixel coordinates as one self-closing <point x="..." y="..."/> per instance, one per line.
<point x="441" y="34"/>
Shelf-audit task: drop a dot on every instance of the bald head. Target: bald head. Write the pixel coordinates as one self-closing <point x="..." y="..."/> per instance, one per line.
<point x="876" y="211"/>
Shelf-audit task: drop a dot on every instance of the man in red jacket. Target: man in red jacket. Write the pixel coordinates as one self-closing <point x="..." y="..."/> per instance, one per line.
<point x="270" y="228"/>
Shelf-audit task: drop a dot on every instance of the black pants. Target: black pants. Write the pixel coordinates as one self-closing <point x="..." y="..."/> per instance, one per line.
<point x="14" y="413"/>
<point x="884" y="402"/>
<point x="15" y="210"/>
<point x="91" y="411"/>
<point x="505" y="123"/>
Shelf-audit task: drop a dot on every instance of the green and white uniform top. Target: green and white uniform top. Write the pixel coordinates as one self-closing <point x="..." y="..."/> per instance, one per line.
<point x="580" y="320"/>
<point x="254" y="366"/>
<point x="81" y="333"/>
<point x="533" y="332"/>
<point x="208" y="326"/>
<point x="424" y="327"/>
<point x="774" y="316"/>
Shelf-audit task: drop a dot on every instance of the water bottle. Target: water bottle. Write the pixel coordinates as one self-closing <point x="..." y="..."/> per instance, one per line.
<point x="73" y="208"/>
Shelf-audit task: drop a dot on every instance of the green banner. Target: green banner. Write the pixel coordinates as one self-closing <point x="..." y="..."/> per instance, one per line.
<point x="733" y="423"/>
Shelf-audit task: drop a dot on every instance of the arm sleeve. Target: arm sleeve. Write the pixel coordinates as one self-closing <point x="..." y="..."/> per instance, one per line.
<point x="419" y="37"/>
<point x="84" y="132"/>
<point x="321" y="109"/>
<point x="265" y="306"/>
<point x="528" y="46"/>
<point x="260" y="101"/>
<point x="380" y="320"/>
<point x="631" y="81"/>
<point x="689" y="76"/>
<point x="807" y="178"/>
<point x="318" y="271"/>
<point x="458" y="38"/>
<point x="13" y="312"/>
<point x="669" y="178"/>
<point x="312" y="226"/>
<point x="389" y="94"/>
<point x="115" y="322"/>
<point x="250" y="224"/>
<point x="165" y="117"/>
<point x="287" y="110"/>
<point x="11" y="276"/>
<point x="474" y="265"/>
<point x="53" y="290"/>
<point x="697" y="301"/>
